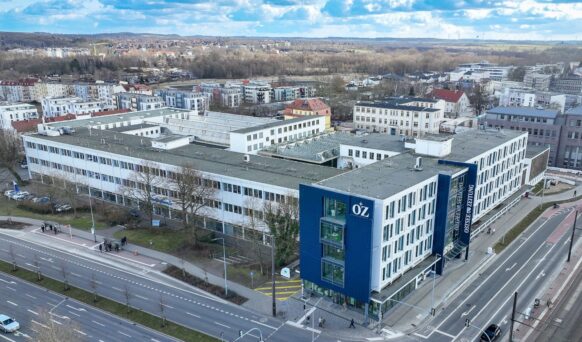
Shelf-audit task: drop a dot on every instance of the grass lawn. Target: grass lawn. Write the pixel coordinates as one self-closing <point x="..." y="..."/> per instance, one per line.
<point x="150" y="321"/>
<point x="82" y="221"/>
<point x="162" y="239"/>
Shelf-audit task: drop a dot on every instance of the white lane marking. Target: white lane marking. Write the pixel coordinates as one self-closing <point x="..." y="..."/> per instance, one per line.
<point x="468" y="311"/>
<point x="7" y="282"/>
<point x="10" y="288"/>
<point x="166" y="305"/>
<point x="57" y="322"/>
<point x="444" y="333"/>
<point x="7" y="339"/>
<point x="510" y="268"/>
<point x="32" y="312"/>
<point x="42" y="325"/>
<point x="30" y="296"/>
<point x="263" y="324"/>
<point x="72" y="313"/>
<point x="191" y="314"/>
<point x="80" y="332"/>
<point x="118" y="289"/>
<point x="98" y="323"/>
<point x="222" y="325"/>
<point x="9" y="302"/>
<point x="124" y="334"/>
<point x="141" y="297"/>
<point x="74" y="308"/>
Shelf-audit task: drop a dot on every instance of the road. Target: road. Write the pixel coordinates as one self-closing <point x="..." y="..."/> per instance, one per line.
<point x="563" y="322"/>
<point x="33" y="307"/>
<point x="196" y="310"/>
<point x="524" y="268"/>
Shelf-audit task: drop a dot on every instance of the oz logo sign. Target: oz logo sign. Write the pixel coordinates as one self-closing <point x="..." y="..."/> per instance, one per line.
<point x="359" y="209"/>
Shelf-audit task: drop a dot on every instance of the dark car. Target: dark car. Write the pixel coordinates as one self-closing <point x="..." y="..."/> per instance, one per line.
<point x="491" y="333"/>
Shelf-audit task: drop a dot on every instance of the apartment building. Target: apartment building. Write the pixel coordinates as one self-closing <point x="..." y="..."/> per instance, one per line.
<point x="568" y="85"/>
<point x="456" y="101"/>
<point x="303" y="107"/>
<point x="537" y="81"/>
<point x="138" y="102"/>
<point x="400" y="116"/>
<point x="60" y="106"/>
<point x="14" y="112"/>
<point x="231" y="97"/>
<point x="257" y="92"/>
<point x="183" y="99"/>
<point x="569" y="154"/>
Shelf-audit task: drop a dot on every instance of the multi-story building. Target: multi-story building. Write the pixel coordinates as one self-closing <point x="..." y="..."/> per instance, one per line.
<point x="231" y="97"/>
<point x="13" y="112"/>
<point x="183" y="99"/>
<point x="542" y="125"/>
<point x="537" y="81"/>
<point x="400" y="116"/>
<point x="479" y="71"/>
<point x="283" y="94"/>
<point x="138" y="102"/>
<point x="18" y="91"/>
<point x="568" y="85"/>
<point x="59" y="106"/>
<point x="456" y="101"/>
<point x="303" y="107"/>
<point x="257" y="92"/>
<point x="370" y="236"/>
<point x="569" y="154"/>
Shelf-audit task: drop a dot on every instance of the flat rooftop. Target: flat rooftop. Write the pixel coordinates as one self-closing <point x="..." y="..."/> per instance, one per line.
<point x="388" y="177"/>
<point x="278" y="172"/>
<point x="471" y="143"/>
<point x="525" y="111"/>
<point x="394" y="105"/>
<point x="132" y="127"/>
<point x="115" y="118"/>
<point x="277" y="123"/>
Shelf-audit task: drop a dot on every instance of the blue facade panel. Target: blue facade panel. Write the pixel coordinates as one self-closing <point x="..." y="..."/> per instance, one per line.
<point x="440" y="223"/>
<point x="357" y="241"/>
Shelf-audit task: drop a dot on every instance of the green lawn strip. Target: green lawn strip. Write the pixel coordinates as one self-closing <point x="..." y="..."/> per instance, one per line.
<point x="118" y="309"/>
<point x="162" y="240"/>
<point x="514" y="232"/>
<point x="82" y="221"/>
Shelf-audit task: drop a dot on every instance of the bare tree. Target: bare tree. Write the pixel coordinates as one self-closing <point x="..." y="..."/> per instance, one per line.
<point x="10" y="152"/>
<point x="37" y="266"/>
<point x="94" y="287"/>
<point x="253" y="224"/>
<point x="144" y="181"/>
<point x="66" y="286"/>
<point x="193" y="194"/>
<point x="282" y="220"/>
<point x="50" y="331"/>
<point x="12" y="257"/>
<point x="162" y="313"/>
<point x="127" y="297"/>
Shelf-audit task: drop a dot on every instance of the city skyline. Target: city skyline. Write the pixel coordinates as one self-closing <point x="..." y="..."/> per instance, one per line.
<point x="473" y="19"/>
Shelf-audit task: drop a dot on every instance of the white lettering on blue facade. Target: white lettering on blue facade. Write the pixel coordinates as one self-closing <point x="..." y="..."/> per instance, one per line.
<point x="359" y="209"/>
<point x="469" y="210"/>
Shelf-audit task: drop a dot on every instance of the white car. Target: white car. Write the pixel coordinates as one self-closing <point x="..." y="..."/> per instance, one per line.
<point x="63" y="208"/>
<point x="9" y="193"/>
<point x="19" y="196"/>
<point x="8" y="325"/>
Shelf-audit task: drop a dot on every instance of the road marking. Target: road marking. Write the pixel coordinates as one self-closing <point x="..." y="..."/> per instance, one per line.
<point x="98" y="323"/>
<point x="124" y="334"/>
<point x="72" y="313"/>
<point x="47" y="259"/>
<point x="9" y="302"/>
<point x="7" y="282"/>
<point x="42" y="325"/>
<point x="117" y="289"/>
<point x="468" y="311"/>
<point x="74" y="308"/>
<point x="166" y="305"/>
<point x="80" y="332"/>
<point x="7" y="339"/>
<point x="57" y="322"/>
<point x="141" y="297"/>
<point x="8" y="287"/>
<point x="504" y="320"/>
<point x="263" y="324"/>
<point x="191" y="314"/>
<point x="222" y="325"/>
<point x="31" y="296"/>
<point x="32" y="312"/>
<point x="444" y="333"/>
<point x="510" y="268"/>
<point x="541" y="274"/>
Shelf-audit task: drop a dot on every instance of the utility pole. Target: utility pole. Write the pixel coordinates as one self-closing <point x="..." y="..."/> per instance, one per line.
<point x="572" y="238"/>
<point x="273" y="274"/>
<point x="513" y="317"/>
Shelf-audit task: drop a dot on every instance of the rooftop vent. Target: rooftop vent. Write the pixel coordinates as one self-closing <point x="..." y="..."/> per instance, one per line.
<point x="418" y="164"/>
<point x="246" y="158"/>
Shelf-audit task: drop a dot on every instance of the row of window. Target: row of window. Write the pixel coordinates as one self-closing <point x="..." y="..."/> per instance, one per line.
<point x="365" y="154"/>
<point x="391" y="112"/>
<point x="396" y="264"/>
<point x="407" y="201"/>
<point x="284" y="129"/>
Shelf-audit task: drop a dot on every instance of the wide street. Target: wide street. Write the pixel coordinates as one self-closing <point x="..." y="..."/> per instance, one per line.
<point x="524" y="267"/>
<point x="179" y="304"/>
<point x="33" y="306"/>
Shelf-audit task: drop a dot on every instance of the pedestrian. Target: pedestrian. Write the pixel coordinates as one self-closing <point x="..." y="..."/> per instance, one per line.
<point x="308" y="319"/>
<point x="574" y="193"/>
<point x="320" y="322"/>
<point x="55" y="230"/>
<point x="42" y="228"/>
<point x="101" y="248"/>
<point x="489" y="230"/>
<point x="352" y="325"/>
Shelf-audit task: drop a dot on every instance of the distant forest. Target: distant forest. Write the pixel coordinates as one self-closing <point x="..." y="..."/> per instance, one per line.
<point x="304" y="57"/>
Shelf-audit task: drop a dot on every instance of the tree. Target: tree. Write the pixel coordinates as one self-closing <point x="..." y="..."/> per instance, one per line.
<point x="10" y="152"/>
<point x="193" y="194"/>
<point x="411" y="91"/>
<point x="253" y="232"/>
<point x="143" y="183"/>
<point x="337" y="84"/>
<point x="516" y="74"/>
<point x="55" y="331"/>
<point x="282" y="220"/>
<point x="478" y="98"/>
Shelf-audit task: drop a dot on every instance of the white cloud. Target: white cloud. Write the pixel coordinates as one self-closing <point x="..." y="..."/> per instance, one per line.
<point x="478" y="14"/>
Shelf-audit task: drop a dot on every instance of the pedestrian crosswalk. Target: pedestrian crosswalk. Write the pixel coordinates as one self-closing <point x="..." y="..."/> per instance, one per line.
<point x="283" y="288"/>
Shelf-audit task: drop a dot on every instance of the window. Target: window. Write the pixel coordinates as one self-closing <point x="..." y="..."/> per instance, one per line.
<point x="332" y="232"/>
<point x="333" y="252"/>
<point x="333" y="273"/>
<point x="334" y="208"/>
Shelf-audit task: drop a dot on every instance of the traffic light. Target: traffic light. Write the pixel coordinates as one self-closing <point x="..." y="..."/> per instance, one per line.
<point x="467" y="322"/>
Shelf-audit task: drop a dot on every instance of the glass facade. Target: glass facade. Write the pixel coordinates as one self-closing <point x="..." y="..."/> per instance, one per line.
<point x="332" y="272"/>
<point x="333" y="252"/>
<point x="454" y="208"/>
<point x="332" y="233"/>
<point x="334" y="208"/>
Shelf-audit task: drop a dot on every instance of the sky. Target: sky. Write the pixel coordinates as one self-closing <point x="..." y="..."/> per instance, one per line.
<point x="448" y="19"/>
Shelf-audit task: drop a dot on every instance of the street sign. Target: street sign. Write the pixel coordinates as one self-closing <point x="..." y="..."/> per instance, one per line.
<point x="155" y="223"/>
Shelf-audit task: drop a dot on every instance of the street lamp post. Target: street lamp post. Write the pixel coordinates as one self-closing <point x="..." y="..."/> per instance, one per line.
<point x="273" y="275"/>
<point x="92" y="217"/>
<point x="433" y="281"/>
<point x="224" y="260"/>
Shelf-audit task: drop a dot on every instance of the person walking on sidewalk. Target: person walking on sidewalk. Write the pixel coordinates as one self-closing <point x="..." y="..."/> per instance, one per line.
<point x="352" y="325"/>
<point x="101" y="248"/>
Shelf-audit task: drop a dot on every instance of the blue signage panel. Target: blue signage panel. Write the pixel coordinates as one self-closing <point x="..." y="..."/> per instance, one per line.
<point x="356" y="242"/>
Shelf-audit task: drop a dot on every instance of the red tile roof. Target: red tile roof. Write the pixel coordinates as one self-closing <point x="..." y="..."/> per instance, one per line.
<point x="30" y="125"/>
<point x="307" y="104"/>
<point x="447" y="95"/>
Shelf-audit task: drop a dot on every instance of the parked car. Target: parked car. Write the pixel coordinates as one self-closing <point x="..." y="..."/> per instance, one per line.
<point x="7" y="324"/>
<point x="19" y="196"/>
<point x="41" y="200"/>
<point x="134" y="213"/>
<point x="63" y="207"/>
<point x="9" y="193"/>
<point x="491" y="333"/>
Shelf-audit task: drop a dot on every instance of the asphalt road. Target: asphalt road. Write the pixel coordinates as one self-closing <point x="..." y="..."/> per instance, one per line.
<point x="564" y="321"/>
<point x="195" y="310"/>
<point x="523" y="268"/>
<point x="35" y="309"/>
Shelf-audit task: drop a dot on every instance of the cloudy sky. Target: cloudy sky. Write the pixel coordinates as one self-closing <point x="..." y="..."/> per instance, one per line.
<point x="489" y="19"/>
